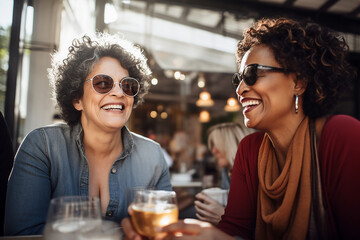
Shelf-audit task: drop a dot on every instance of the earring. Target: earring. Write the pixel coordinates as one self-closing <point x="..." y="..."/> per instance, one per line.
<point x="296" y="103"/>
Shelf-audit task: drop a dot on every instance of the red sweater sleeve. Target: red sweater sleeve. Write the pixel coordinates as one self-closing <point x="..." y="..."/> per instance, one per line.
<point x="240" y="213"/>
<point x="339" y="157"/>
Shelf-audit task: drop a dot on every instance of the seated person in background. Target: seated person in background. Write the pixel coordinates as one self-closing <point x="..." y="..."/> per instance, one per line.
<point x="299" y="177"/>
<point x="94" y="153"/>
<point x="223" y="141"/>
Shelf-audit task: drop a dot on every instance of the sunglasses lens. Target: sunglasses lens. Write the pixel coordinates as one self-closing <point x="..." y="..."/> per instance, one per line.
<point x="130" y="86"/>
<point x="250" y="75"/>
<point x="102" y="83"/>
<point x="236" y="80"/>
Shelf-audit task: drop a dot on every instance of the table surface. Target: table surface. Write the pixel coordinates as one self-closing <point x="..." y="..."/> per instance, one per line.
<point x="31" y="237"/>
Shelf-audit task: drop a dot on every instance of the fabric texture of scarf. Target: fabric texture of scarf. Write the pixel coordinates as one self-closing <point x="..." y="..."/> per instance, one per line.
<point x="284" y="196"/>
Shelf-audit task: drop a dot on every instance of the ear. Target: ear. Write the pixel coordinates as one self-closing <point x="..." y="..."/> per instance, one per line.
<point x="78" y="104"/>
<point x="300" y="86"/>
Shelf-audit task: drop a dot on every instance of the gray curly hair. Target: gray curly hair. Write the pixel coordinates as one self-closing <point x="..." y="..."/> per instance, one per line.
<point x="67" y="75"/>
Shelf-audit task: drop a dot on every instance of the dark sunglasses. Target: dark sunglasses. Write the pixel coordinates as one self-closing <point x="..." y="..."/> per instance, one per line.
<point x="250" y="74"/>
<point x="103" y="84"/>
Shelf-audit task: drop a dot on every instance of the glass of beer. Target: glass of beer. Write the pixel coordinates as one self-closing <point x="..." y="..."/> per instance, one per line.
<point x="151" y="209"/>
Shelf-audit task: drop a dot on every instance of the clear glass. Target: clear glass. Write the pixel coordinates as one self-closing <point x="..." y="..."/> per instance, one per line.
<point x="108" y="230"/>
<point x="152" y="209"/>
<point x="69" y="216"/>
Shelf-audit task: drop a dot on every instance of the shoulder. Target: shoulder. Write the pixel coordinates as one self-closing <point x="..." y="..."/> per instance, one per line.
<point x="248" y="150"/>
<point x="340" y="138"/>
<point x="341" y="126"/>
<point x="252" y="141"/>
<point x="139" y="139"/>
<point x="52" y="130"/>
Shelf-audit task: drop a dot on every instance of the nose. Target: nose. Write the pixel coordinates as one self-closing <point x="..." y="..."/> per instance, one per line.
<point x="117" y="90"/>
<point x="214" y="150"/>
<point x="241" y="88"/>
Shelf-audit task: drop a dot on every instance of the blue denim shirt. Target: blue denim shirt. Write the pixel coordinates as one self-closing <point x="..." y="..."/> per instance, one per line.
<point x="51" y="162"/>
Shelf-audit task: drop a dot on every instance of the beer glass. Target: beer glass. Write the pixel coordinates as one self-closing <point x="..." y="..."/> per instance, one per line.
<point x="152" y="209"/>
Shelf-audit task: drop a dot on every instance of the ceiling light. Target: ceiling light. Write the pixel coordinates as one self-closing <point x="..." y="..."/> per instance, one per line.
<point x="164" y="115"/>
<point x="204" y="100"/>
<point x="232" y="105"/>
<point x="154" y="81"/>
<point x="201" y="81"/>
<point x="153" y="114"/>
<point x="204" y="116"/>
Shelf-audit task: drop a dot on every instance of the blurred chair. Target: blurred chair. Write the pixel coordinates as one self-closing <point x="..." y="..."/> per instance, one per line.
<point x="6" y="163"/>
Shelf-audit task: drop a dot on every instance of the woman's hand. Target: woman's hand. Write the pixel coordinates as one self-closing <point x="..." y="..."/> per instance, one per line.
<point x="208" y="209"/>
<point x="129" y="231"/>
<point x="194" y="229"/>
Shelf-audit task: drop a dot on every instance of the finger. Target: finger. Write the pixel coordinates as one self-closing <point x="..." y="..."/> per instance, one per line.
<point x="130" y="211"/>
<point x="187" y="226"/>
<point x="205" y="198"/>
<point x="201" y="217"/>
<point x="128" y="229"/>
<point x="204" y="208"/>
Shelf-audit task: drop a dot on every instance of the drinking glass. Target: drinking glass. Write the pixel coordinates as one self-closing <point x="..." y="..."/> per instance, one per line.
<point x="68" y="216"/>
<point x="108" y="230"/>
<point x="152" y="209"/>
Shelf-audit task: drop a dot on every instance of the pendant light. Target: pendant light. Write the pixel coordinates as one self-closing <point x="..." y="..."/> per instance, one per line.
<point x="232" y="105"/>
<point x="204" y="99"/>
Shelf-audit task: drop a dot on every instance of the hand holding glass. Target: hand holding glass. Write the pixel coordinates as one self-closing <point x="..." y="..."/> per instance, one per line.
<point x="152" y="209"/>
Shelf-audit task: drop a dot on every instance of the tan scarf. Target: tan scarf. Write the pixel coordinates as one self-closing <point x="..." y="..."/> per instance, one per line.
<point x="284" y="197"/>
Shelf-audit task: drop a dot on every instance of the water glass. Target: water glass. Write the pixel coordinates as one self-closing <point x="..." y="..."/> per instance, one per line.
<point x="68" y="216"/>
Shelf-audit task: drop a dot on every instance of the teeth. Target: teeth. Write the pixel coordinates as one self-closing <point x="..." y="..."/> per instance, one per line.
<point x="108" y="107"/>
<point x="251" y="102"/>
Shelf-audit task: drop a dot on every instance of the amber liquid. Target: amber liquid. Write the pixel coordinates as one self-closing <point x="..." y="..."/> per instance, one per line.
<point x="146" y="217"/>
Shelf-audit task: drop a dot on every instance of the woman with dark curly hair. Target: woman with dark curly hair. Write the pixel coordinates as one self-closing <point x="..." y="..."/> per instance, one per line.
<point x="298" y="178"/>
<point x="94" y="154"/>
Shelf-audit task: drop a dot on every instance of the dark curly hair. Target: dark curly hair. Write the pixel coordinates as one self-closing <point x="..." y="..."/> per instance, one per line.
<point x="67" y="75"/>
<point x="316" y="54"/>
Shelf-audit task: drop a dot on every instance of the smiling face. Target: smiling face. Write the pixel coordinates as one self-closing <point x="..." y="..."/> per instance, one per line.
<point x="269" y="103"/>
<point x="109" y="111"/>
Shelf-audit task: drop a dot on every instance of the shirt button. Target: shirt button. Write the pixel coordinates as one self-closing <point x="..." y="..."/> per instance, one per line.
<point x="113" y="170"/>
<point x="110" y="213"/>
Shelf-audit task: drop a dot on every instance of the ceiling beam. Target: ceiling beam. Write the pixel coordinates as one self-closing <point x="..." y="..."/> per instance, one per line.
<point x="328" y="4"/>
<point x="255" y="9"/>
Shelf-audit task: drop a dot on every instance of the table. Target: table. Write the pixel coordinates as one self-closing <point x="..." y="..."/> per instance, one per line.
<point x="185" y="184"/>
<point x="24" y="237"/>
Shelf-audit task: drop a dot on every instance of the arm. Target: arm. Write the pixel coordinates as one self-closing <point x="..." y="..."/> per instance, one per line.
<point x="240" y="213"/>
<point x="29" y="188"/>
<point x="339" y="157"/>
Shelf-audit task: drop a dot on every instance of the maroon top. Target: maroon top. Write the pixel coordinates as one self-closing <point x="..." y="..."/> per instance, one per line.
<point x="339" y="158"/>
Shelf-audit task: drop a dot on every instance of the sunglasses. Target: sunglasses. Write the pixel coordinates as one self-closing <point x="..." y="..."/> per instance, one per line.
<point x="250" y="74"/>
<point x="103" y="84"/>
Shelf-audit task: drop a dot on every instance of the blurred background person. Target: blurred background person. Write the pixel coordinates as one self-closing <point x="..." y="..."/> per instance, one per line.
<point x="223" y="141"/>
<point x="93" y="154"/>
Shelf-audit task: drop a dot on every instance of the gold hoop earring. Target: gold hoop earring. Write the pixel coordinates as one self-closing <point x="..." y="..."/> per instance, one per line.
<point x="296" y="103"/>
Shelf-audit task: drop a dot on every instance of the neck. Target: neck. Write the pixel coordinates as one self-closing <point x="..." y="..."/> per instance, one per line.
<point x="102" y="145"/>
<point x="281" y="137"/>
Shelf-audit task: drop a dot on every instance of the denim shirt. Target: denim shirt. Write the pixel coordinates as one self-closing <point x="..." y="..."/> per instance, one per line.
<point x="51" y="162"/>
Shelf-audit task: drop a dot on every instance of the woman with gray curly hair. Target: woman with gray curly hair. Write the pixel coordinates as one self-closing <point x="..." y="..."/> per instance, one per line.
<point x="94" y="154"/>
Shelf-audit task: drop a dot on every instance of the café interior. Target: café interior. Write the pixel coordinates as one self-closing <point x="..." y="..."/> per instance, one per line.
<point x="190" y="46"/>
